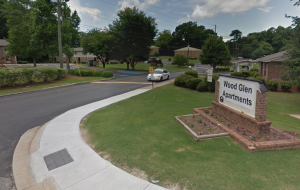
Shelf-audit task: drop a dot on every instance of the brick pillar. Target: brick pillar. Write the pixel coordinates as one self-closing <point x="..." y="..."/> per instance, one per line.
<point x="261" y="106"/>
<point x="217" y="86"/>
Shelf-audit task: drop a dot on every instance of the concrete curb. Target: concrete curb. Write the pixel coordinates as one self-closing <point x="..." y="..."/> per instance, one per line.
<point x="55" y="87"/>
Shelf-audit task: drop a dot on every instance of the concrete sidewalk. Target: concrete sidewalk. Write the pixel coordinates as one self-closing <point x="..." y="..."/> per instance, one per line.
<point x="60" y="159"/>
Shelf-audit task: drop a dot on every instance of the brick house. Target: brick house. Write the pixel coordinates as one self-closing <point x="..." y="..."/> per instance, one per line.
<point x="188" y="52"/>
<point x="154" y="50"/>
<point x="3" y="53"/>
<point x="78" y="55"/>
<point x="270" y="67"/>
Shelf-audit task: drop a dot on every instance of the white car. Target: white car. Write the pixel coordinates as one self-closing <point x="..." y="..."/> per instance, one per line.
<point x="159" y="75"/>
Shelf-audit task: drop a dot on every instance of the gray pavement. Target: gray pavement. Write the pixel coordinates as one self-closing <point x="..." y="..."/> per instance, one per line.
<point x="21" y="112"/>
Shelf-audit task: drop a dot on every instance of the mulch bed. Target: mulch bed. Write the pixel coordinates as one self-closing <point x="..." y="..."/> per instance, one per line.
<point x="238" y="128"/>
<point x="200" y="123"/>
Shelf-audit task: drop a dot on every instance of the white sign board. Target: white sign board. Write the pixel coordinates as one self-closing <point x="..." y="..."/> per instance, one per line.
<point x="209" y="78"/>
<point x="239" y="94"/>
<point x="209" y="72"/>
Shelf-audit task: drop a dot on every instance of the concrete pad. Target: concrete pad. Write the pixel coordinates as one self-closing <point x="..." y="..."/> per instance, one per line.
<point x="111" y="178"/>
<point x="35" y="143"/>
<point x="48" y="184"/>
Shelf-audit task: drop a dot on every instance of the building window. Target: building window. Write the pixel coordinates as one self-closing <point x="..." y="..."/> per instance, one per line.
<point x="5" y="49"/>
<point x="75" y="52"/>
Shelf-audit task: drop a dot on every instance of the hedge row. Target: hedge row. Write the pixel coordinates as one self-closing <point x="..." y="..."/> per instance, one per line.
<point x="19" y="76"/>
<point x="94" y="73"/>
<point x="222" y="69"/>
<point x="188" y="80"/>
<point x="249" y="74"/>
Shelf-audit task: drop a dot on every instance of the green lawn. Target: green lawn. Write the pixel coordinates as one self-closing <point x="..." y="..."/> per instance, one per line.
<point x="70" y="79"/>
<point x="142" y="67"/>
<point x="141" y="133"/>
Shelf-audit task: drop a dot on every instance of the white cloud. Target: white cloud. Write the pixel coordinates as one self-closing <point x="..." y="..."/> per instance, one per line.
<point x="91" y="12"/>
<point x="266" y="9"/>
<point x="142" y="5"/>
<point x="210" y="8"/>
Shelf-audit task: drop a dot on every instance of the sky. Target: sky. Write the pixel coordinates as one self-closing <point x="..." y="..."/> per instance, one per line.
<point x="245" y="15"/>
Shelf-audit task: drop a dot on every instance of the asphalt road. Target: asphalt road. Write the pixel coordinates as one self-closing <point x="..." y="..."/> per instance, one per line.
<point x="18" y="113"/>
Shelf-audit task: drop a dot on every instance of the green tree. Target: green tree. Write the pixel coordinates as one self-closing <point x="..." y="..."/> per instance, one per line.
<point x="32" y="28"/>
<point x="215" y="52"/>
<point x="264" y="49"/>
<point x="134" y="32"/>
<point x="3" y="28"/>
<point x="180" y="60"/>
<point x="70" y="33"/>
<point x="163" y="38"/>
<point x="291" y="65"/>
<point x="97" y="43"/>
<point x="236" y="34"/>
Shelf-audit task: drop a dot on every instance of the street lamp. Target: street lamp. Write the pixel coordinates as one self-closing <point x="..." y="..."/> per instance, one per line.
<point x="188" y="55"/>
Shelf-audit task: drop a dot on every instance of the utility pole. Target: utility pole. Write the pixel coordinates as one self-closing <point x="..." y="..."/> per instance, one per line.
<point x="59" y="35"/>
<point x="215" y="28"/>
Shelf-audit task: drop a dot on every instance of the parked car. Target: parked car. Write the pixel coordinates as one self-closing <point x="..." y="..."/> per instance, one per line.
<point x="159" y="75"/>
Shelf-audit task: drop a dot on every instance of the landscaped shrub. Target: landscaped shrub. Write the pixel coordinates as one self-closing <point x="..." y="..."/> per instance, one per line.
<point x="262" y="79"/>
<point x="272" y="84"/>
<point x="191" y="72"/>
<point x="254" y="69"/>
<point x="238" y="74"/>
<point x="191" y="64"/>
<point x="19" y="76"/>
<point x="180" y="60"/>
<point x="193" y="58"/>
<point x="156" y="54"/>
<point x="182" y="79"/>
<point x="193" y="83"/>
<point x="202" y="87"/>
<point x="218" y="69"/>
<point x="254" y="74"/>
<point x="107" y="74"/>
<point x="213" y="83"/>
<point x="169" y="59"/>
<point x="285" y="86"/>
<point x="22" y="62"/>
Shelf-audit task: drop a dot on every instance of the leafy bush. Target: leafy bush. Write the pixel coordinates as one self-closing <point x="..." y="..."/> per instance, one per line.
<point x="285" y="86"/>
<point x="182" y="79"/>
<point x="202" y="87"/>
<point x="20" y="76"/>
<point x="22" y="62"/>
<point x="191" y="72"/>
<point x="221" y="69"/>
<point x="180" y="60"/>
<point x="191" y="64"/>
<point x="193" y="58"/>
<point x="262" y="79"/>
<point x="254" y="69"/>
<point x="272" y="84"/>
<point x="255" y="74"/>
<point x="156" y="54"/>
<point x="107" y="74"/>
<point x="238" y="74"/>
<point x="193" y="83"/>
<point x="169" y="59"/>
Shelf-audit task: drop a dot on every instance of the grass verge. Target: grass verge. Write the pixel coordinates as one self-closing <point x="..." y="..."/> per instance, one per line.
<point x="141" y="133"/>
<point x="70" y="79"/>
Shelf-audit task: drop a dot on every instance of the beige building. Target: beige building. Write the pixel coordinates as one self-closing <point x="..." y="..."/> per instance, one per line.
<point x="154" y="50"/>
<point x="188" y="52"/>
<point x="3" y="54"/>
<point x="78" y="56"/>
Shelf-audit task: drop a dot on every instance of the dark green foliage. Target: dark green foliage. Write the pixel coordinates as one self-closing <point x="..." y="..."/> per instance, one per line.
<point x="221" y="69"/>
<point x="254" y="69"/>
<point x="285" y="86"/>
<point x="156" y="54"/>
<point x="169" y="59"/>
<point x="215" y="52"/>
<point x="213" y="83"/>
<point x="238" y="74"/>
<point x="19" y="76"/>
<point x="272" y="84"/>
<point x="262" y="79"/>
<point x="191" y="72"/>
<point x="22" y="62"/>
<point x="193" y="58"/>
<point x="202" y="87"/>
<point x="180" y="60"/>
<point x="94" y="73"/>
<point x="298" y="87"/>
<point x="193" y="83"/>
<point x="255" y="74"/>
<point x="182" y="79"/>
<point x="191" y="64"/>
